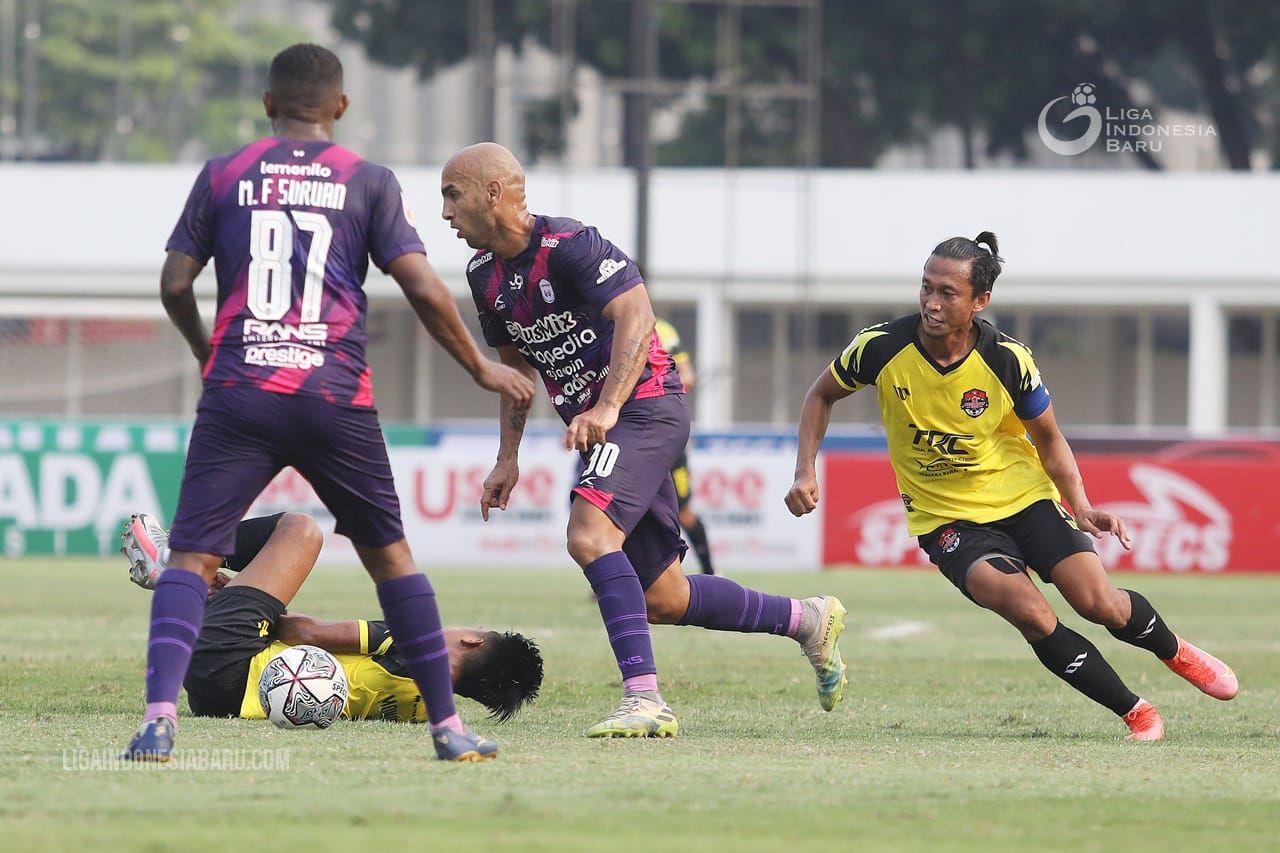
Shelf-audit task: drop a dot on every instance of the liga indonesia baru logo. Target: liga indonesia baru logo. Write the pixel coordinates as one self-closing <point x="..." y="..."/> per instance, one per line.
<point x="1125" y="129"/>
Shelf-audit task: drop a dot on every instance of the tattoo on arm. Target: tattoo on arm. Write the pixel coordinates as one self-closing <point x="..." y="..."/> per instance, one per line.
<point x="629" y="366"/>
<point x="516" y="420"/>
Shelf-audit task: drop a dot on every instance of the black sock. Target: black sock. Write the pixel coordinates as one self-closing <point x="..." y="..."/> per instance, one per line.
<point x="1146" y="630"/>
<point x="1079" y="663"/>
<point x="698" y="538"/>
<point x="251" y="537"/>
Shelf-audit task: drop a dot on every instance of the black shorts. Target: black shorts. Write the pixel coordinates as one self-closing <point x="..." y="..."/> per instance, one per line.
<point x="239" y="622"/>
<point x="1039" y="537"/>
<point x="680" y="476"/>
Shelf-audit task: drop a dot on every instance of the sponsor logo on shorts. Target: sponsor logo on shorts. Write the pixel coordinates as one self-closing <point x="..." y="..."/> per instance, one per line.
<point x="607" y="268"/>
<point x="948" y="540"/>
<point x="906" y="502"/>
<point x="974" y="402"/>
<point x="902" y="393"/>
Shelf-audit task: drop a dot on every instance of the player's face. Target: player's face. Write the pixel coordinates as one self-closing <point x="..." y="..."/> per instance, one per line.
<point x="466" y="207"/>
<point x="947" y="302"/>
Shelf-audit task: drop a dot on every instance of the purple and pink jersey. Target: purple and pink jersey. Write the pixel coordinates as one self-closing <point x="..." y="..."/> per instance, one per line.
<point x="291" y="226"/>
<point x="549" y="300"/>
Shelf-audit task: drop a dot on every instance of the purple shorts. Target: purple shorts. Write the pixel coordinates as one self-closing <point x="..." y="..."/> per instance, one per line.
<point x="629" y="479"/>
<point x="243" y="437"/>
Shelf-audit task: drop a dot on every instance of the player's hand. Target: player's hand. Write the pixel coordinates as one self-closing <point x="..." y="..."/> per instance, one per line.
<point x="501" y="379"/>
<point x="1098" y="523"/>
<point x="803" y="496"/>
<point x="497" y="487"/>
<point x="219" y="581"/>
<point x="589" y="428"/>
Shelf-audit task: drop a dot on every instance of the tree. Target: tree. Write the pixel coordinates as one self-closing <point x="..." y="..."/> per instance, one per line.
<point x="150" y="79"/>
<point x="895" y="73"/>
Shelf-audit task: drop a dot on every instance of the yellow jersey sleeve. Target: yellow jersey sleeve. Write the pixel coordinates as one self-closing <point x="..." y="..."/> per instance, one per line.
<point x="865" y="356"/>
<point x="670" y="340"/>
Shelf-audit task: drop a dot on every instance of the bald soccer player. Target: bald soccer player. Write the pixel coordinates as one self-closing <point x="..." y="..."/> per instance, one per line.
<point x="558" y="299"/>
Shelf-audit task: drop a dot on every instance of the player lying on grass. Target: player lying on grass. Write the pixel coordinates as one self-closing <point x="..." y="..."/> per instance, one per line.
<point x="958" y="399"/>
<point x="246" y="624"/>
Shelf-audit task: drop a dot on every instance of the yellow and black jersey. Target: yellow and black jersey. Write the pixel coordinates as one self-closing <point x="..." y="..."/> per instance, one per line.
<point x="670" y="340"/>
<point x="957" y="443"/>
<point x="379" y="684"/>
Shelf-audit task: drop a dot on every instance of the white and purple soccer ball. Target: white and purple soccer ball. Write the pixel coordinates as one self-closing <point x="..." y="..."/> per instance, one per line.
<point x="303" y="687"/>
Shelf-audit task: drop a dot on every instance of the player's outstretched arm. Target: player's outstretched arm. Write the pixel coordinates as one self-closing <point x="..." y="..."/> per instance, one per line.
<point x="506" y="471"/>
<point x="434" y="305"/>
<point x="177" y="294"/>
<point x="1060" y="464"/>
<point x="633" y="322"/>
<point x="815" y="416"/>
<point x="296" y="629"/>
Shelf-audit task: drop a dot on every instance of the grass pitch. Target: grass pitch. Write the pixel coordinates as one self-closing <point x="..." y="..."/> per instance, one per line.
<point x="950" y="736"/>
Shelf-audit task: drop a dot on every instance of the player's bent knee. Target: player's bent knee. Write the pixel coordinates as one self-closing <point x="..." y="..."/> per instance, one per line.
<point x="302" y="530"/>
<point x="1103" y="609"/>
<point x="664" y="609"/>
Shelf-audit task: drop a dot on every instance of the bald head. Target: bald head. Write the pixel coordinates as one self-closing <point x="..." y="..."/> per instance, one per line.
<point x="487" y="162"/>
<point x="483" y="190"/>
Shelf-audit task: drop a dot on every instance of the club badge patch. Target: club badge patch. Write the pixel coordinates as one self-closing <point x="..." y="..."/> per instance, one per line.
<point x="948" y="540"/>
<point x="974" y="402"/>
<point x="548" y="295"/>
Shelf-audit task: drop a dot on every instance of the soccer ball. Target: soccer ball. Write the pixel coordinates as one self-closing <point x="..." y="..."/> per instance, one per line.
<point x="1083" y="95"/>
<point x="303" y="687"/>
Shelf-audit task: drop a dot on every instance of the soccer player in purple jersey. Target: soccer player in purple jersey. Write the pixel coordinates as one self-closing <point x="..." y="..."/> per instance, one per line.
<point x="558" y="299"/>
<point x="291" y="222"/>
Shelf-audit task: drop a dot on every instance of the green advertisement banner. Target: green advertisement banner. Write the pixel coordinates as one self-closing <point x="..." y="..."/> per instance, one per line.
<point x="67" y="488"/>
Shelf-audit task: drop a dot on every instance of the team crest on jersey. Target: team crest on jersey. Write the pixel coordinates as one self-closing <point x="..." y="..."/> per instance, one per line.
<point x="548" y="295"/>
<point x="948" y="540"/>
<point x="974" y="402"/>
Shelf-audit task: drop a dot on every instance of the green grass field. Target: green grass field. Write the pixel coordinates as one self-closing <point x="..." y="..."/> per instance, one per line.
<point x="951" y="737"/>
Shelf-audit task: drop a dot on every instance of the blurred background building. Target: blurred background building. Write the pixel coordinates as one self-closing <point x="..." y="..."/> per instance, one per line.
<point x="781" y="168"/>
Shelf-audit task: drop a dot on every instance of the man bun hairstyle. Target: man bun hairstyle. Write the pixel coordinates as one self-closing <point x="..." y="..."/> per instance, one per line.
<point x="304" y="77"/>
<point x="985" y="264"/>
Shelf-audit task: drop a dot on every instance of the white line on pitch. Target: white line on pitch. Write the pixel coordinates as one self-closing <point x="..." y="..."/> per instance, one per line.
<point x="898" y="630"/>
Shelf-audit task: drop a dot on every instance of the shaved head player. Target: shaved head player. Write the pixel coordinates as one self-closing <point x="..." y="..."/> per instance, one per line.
<point x="558" y="299"/>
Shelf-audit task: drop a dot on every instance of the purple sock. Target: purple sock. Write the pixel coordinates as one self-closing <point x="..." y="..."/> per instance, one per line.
<point x="177" y="612"/>
<point x="622" y="607"/>
<point x="409" y="604"/>
<point x="718" y="603"/>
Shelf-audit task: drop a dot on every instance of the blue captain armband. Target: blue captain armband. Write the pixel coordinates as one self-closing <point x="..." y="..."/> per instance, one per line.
<point x="1032" y="403"/>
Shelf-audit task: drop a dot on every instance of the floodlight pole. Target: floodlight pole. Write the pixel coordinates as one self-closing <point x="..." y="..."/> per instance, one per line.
<point x="644" y="67"/>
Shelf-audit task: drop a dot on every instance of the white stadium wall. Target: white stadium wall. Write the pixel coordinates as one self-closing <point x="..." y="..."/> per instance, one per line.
<point x="1121" y="249"/>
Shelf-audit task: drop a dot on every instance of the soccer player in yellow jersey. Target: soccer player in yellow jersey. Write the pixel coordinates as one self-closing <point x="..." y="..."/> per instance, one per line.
<point x="689" y="518"/>
<point x="246" y="624"/>
<point x="958" y="399"/>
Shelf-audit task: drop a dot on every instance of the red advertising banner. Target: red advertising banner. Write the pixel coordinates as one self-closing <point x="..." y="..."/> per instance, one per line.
<point x="1189" y="508"/>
